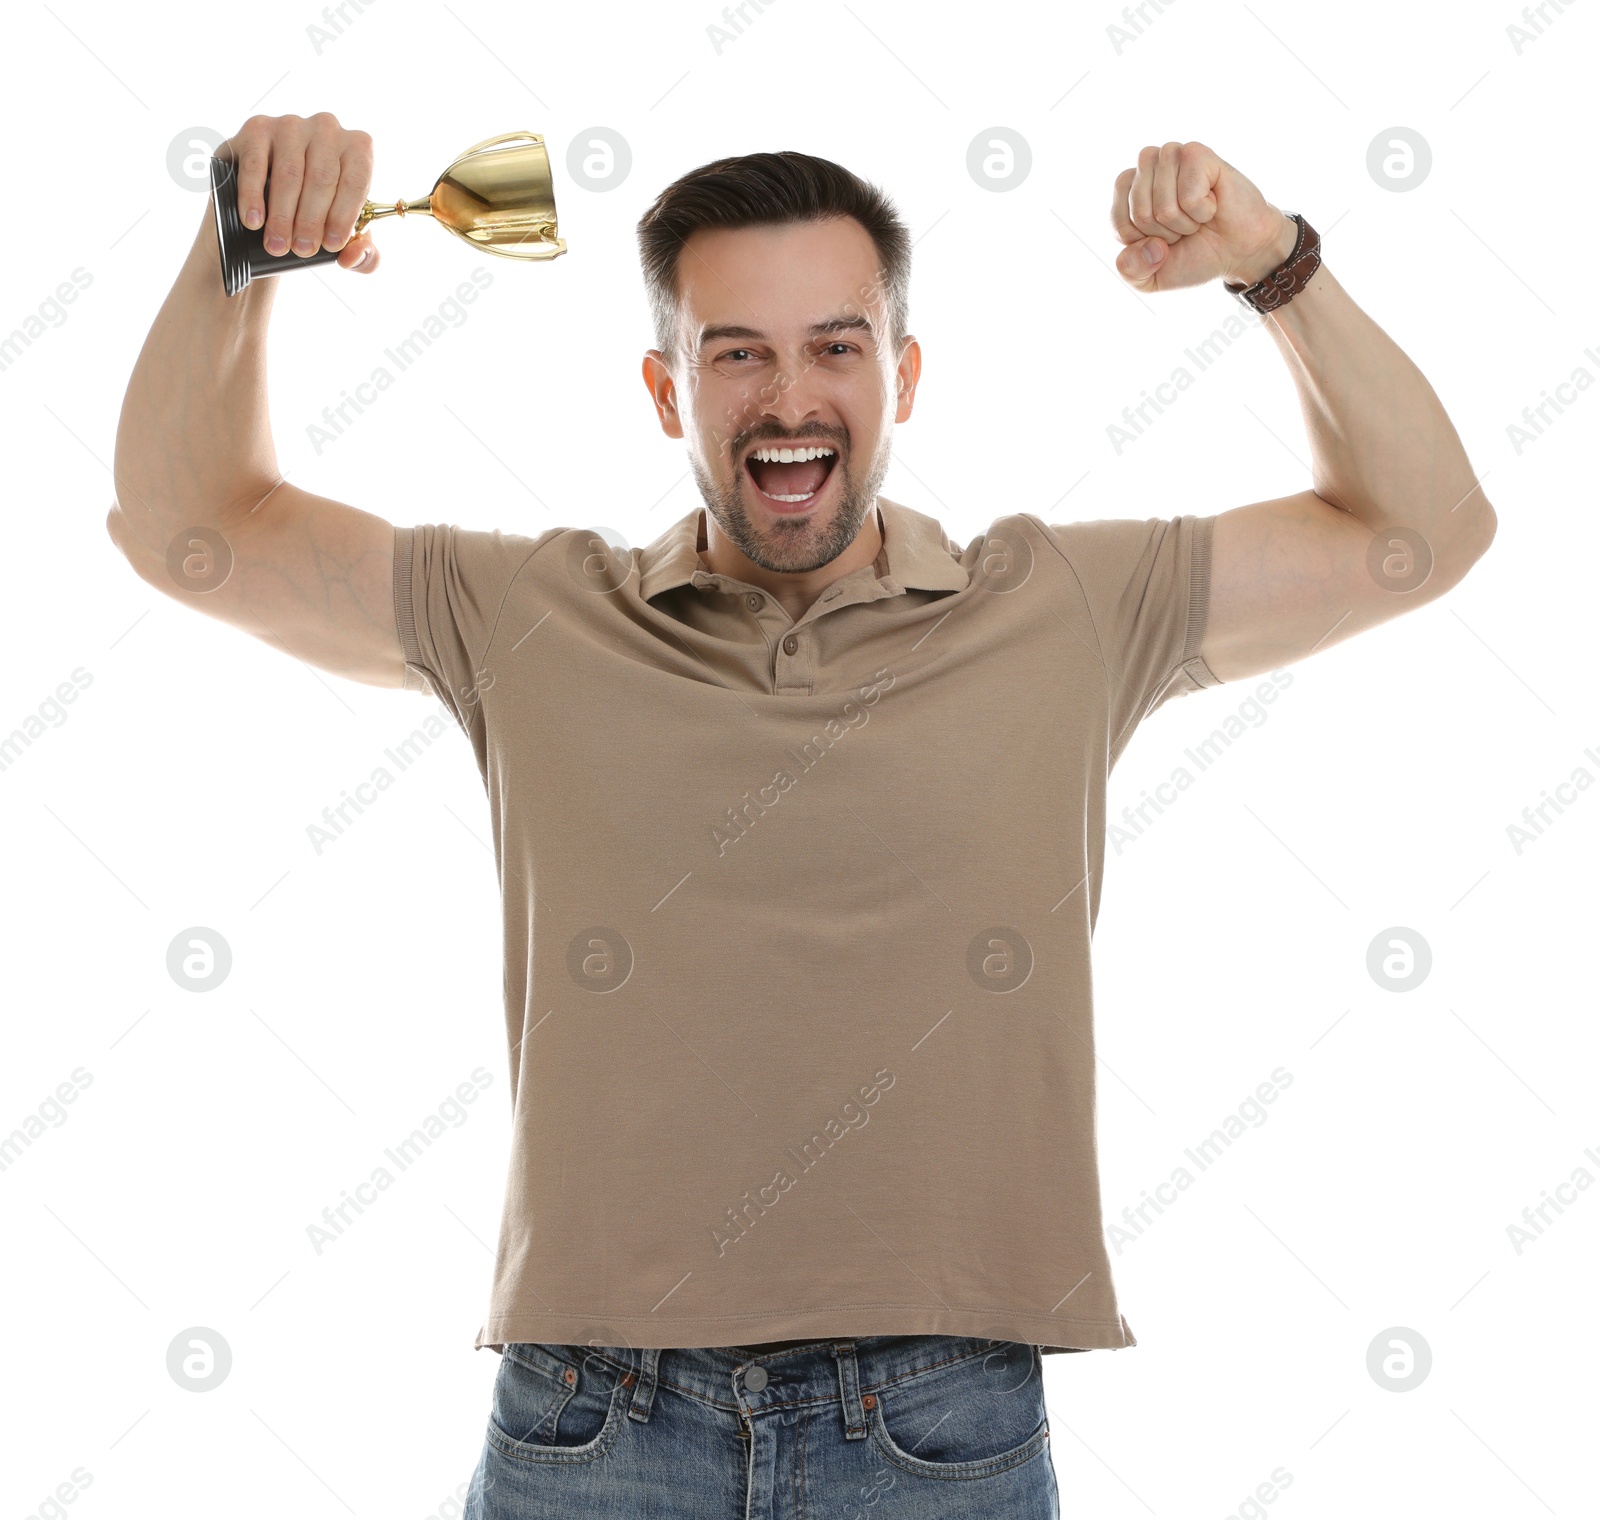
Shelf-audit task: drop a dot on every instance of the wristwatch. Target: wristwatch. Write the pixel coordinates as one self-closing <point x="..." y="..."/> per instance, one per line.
<point x="1292" y="276"/>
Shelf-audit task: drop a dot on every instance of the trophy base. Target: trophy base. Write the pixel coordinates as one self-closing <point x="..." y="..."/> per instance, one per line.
<point x="243" y="251"/>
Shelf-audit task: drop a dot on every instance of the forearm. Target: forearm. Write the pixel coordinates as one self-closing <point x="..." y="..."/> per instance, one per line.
<point x="194" y="442"/>
<point x="1382" y="446"/>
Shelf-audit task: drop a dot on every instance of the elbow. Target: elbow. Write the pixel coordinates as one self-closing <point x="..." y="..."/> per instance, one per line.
<point x="1484" y="523"/>
<point x="117" y="529"/>
<point x="121" y="533"/>
<point x="1472" y="542"/>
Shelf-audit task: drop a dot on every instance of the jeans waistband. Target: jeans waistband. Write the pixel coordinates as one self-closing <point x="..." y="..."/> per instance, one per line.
<point x="843" y="1370"/>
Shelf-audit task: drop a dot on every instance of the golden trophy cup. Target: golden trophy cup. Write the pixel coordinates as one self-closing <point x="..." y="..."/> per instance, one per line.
<point x="496" y="196"/>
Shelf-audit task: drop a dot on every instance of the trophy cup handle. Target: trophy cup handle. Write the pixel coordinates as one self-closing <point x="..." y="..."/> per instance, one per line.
<point x="493" y="142"/>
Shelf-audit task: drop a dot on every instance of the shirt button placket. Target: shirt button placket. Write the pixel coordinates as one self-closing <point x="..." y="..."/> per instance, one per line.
<point x="788" y="677"/>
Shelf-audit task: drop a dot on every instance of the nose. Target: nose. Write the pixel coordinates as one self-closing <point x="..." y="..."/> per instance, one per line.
<point x="791" y="398"/>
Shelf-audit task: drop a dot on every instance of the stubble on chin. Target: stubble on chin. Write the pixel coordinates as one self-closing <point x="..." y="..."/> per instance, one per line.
<point x="797" y="546"/>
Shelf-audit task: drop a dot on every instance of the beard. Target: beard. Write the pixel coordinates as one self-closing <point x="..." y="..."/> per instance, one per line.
<point x="795" y="545"/>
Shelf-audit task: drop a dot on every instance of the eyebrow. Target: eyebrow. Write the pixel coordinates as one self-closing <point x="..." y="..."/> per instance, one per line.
<point x="721" y="331"/>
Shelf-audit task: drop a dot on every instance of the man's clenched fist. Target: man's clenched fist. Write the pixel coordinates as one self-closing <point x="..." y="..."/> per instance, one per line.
<point x="319" y="174"/>
<point x="1187" y="216"/>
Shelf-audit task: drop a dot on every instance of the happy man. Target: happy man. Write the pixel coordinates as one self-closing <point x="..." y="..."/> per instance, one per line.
<point x="800" y="819"/>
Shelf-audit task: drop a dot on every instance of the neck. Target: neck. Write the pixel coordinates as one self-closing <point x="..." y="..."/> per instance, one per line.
<point x="794" y="591"/>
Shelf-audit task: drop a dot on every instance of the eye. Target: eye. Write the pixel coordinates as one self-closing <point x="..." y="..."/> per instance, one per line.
<point x="845" y="346"/>
<point x="736" y="353"/>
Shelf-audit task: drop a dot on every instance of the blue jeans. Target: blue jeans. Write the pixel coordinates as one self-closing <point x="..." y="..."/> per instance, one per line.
<point x="891" y="1427"/>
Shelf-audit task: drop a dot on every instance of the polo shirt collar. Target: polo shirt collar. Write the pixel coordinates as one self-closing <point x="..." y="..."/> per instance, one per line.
<point x="916" y="554"/>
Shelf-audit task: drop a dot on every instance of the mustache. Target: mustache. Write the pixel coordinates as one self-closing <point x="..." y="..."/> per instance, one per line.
<point x="737" y="448"/>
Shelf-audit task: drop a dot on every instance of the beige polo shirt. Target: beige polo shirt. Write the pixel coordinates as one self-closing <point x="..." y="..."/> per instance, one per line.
<point x="798" y="915"/>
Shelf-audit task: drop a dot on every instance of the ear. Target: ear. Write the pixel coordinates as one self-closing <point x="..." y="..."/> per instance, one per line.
<point x="906" y="377"/>
<point x="663" y="391"/>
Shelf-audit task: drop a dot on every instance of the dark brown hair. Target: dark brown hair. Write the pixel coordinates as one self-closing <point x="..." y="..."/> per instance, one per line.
<point x="761" y="190"/>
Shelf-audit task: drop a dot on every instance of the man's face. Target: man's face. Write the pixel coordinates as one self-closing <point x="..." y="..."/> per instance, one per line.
<point x="783" y="338"/>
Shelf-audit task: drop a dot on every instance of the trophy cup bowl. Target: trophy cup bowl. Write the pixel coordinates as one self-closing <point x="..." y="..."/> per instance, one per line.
<point x="497" y="196"/>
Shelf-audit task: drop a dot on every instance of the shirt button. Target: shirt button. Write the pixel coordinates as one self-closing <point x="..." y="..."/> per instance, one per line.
<point x="755" y="1379"/>
<point x="754" y="601"/>
<point x="790" y="644"/>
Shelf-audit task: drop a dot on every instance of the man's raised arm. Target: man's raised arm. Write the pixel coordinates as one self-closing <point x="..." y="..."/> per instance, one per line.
<point x="197" y="480"/>
<point x="1302" y="572"/>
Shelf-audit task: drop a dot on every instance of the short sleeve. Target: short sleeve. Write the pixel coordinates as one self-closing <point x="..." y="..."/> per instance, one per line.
<point x="450" y="585"/>
<point x="1147" y="582"/>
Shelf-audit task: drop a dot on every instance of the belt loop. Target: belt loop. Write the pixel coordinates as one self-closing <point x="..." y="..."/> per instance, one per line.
<point x="855" y="1420"/>
<point x="639" y="1406"/>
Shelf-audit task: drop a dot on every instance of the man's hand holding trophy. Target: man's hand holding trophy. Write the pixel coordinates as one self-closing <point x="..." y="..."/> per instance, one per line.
<point x="290" y="192"/>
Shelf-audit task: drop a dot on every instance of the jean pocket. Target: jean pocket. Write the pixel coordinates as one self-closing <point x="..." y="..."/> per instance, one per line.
<point x="977" y="1416"/>
<point x="555" y="1403"/>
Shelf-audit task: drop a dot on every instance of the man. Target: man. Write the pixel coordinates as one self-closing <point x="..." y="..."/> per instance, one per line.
<point x="800" y="819"/>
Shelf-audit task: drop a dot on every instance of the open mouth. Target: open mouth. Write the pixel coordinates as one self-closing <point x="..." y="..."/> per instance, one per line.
<point x="791" y="478"/>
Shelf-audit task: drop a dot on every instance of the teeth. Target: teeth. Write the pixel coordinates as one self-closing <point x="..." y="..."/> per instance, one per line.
<point x="791" y="456"/>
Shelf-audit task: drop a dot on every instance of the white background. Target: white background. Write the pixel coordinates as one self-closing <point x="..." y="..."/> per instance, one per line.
<point x="1234" y="931"/>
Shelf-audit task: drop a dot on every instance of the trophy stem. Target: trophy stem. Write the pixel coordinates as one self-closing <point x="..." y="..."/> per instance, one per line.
<point x="371" y="212"/>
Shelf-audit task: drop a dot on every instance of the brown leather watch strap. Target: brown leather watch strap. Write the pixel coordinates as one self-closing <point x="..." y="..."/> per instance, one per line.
<point x="1289" y="278"/>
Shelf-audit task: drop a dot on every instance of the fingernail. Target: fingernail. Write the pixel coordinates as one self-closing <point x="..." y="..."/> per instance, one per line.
<point x="1153" y="250"/>
<point x="276" y="244"/>
<point x="366" y="254"/>
<point x="302" y="245"/>
<point x="252" y="218"/>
